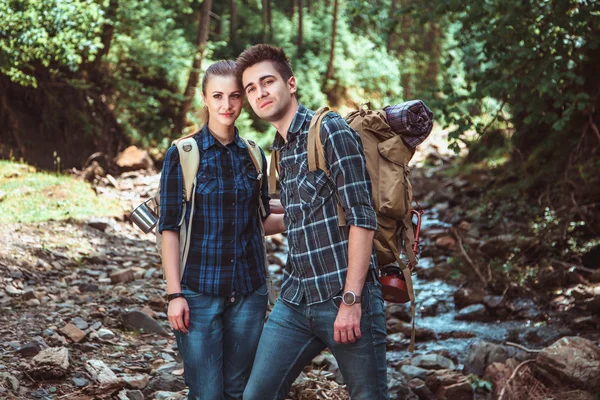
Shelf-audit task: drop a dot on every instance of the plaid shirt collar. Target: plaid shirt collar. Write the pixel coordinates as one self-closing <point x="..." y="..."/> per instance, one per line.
<point x="206" y="140"/>
<point x="294" y="129"/>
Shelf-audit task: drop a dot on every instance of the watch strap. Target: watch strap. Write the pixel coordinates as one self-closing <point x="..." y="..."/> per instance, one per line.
<point x="173" y="296"/>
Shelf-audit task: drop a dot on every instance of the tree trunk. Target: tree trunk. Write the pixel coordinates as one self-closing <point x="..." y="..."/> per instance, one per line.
<point x="433" y="50"/>
<point x="308" y="7"/>
<point x="329" y="74"/>
<point x="13" y="121"/>
<point x="233" y="23"/>
<point x="293" y="8"/>
<point x="265" y="22"/>
<point x="270" y="20"/>
<point x="299" y="38"/>
<point x="108" y="31"/>
<point x="392" y="33"/>
<point x="190" y="89"/>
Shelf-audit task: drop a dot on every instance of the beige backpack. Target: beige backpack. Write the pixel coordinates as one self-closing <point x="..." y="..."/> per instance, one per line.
<point x="387" y="160"/>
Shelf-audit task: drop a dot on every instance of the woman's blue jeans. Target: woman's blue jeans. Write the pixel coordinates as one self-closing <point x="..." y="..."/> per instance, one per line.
<point x="219" y="348"/>
<point x="295" y="334"/>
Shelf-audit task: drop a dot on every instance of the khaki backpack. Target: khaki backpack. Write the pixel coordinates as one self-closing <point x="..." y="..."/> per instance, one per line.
<point x="189" y="158"/>
<point x="387" y="160"/>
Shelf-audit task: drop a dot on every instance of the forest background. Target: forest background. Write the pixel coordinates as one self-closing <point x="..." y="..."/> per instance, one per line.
<point x="516" y="82"/>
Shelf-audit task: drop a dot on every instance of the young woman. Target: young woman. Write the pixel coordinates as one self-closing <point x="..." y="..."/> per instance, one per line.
<point x="217" y="308"/>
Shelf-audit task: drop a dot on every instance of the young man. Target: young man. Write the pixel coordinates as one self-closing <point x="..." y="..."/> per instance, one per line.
<point x="330" y="296"/>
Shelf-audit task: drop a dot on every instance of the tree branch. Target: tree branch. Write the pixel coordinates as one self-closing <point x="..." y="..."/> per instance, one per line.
<point x="464" y="253"/>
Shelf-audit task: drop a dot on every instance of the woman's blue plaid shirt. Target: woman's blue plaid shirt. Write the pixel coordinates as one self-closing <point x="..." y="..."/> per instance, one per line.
<point x="226" y="248"/>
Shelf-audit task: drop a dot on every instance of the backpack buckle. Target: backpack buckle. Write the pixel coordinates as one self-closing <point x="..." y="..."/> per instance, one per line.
<point x="260" y="176"/>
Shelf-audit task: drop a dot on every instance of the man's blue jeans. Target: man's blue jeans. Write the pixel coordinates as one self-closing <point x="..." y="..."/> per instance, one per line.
<point x="219" y="348"/>
<point x="295" y="334"/>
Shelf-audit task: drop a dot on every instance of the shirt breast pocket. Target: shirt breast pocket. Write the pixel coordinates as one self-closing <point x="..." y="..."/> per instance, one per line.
<point x="206" y="183"/>
<point x="254" y="181"/>
<point x="314" y="186"/>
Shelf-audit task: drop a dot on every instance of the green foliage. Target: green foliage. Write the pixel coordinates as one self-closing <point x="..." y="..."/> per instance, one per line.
<point x="536" y="58"/>
<point x="480" y="384"/>
<point x="47" y="34"/>
<point x="30" y="196"/>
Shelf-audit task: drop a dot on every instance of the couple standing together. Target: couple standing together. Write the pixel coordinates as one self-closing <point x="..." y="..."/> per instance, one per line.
<point x="330" y="296"/>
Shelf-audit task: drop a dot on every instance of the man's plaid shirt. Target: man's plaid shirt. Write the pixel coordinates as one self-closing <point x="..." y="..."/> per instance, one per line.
<point x="226" y="246"/>
<point x="318" y="256"/>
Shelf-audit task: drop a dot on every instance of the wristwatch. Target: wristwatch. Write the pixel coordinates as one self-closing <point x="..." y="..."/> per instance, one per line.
<point x="350" y="298"/>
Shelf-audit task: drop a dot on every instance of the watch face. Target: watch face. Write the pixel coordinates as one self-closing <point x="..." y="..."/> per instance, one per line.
<point x="349" y="298"/>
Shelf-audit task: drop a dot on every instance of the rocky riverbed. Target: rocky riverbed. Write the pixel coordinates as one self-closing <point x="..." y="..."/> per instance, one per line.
<point x="83" y="311"/>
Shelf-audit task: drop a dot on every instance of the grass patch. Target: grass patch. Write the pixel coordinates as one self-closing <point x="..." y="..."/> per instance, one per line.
<point x="30" y="196"/>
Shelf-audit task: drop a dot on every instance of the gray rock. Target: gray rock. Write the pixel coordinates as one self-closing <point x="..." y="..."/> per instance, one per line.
<point x="136" y="381"/>
<point x="418" y="387"/>
<point x="135" y="395"/>
<point x="162" y="395"/>
<point x="105" y="334"/>
<point x="467" y="296"/>
<point x="33" y="303"/>
<point x="80" y="323"/>
<point x="433" y="361"/>
<point x="138" y="321"/>
<point x="102" y="224"/>
<point x="165" y="383"/>
<point x="571" y="360"/>
<point x="89" y="288"/>
<point x="482" y="354"/>
<point x="150" y="273"/>
<point x="51" y="363"/>
<point x="476" y="312"/>
<point x="29" y="294"/>
<point x="411" y="372"/>
<point x="32" y="348"/>
<point x="9" y="381"/>
<point x="80" y="382"/>
<point x="100" y="372"/>
<point x="122" y="276"/>
<point x="12" y="291"/>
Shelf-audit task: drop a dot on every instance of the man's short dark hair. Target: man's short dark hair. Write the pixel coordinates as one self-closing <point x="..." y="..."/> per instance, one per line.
<point x="264" y="52"/>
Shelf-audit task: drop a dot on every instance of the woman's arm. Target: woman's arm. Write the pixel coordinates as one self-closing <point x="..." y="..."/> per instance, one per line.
<point x="178" y="311"/>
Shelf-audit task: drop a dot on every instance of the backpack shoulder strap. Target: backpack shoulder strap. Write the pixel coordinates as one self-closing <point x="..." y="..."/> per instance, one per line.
<point x="189" y="158"/>
<point x="273" y="172"/>
<point x="257" y="160"/>
<point x="316" y="154"/>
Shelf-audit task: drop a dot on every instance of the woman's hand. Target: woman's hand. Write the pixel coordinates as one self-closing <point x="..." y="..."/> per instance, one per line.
<point x="179" y="314"/>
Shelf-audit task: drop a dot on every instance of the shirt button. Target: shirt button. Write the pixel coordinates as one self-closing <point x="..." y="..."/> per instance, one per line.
<point x="233" y="204"/>
<point x="232" y="300"/>
<point x="232" y="260"/>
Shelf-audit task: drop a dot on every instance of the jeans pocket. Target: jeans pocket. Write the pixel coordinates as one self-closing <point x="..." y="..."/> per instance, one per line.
<point x="262" y="290"/>
<point x="188" y="293"/>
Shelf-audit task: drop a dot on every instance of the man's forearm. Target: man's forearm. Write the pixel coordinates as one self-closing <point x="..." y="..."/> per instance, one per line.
<point x="360" y="246"/>
<point x="273" y="224"/>
<point x="170" y="259"/>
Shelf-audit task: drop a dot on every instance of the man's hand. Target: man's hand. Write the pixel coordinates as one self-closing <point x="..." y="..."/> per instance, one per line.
<point x="275" y="206"/>
<point x="179" y="314"/>
<point x="346" y="328"/>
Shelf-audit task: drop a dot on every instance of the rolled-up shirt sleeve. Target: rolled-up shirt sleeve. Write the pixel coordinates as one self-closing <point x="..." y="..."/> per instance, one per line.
<point x="346" y="161"/>
<point x="171" y="192"/>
